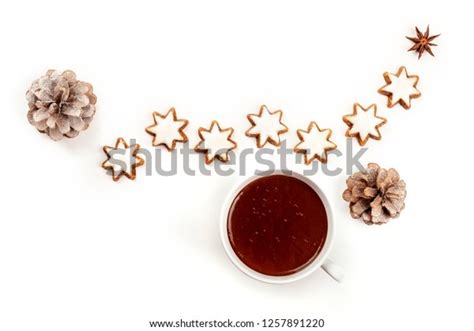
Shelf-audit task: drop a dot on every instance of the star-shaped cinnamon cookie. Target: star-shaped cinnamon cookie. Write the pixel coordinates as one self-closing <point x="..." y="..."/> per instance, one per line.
<point x="364" y="123"/>
<point x="167" y="130"/>
<point x="314" y="143"/>
<point x="122" y="159"/>
<point x="216" y="143"/>
<point x="266" y="126"/>
<point x="400" y="88"/>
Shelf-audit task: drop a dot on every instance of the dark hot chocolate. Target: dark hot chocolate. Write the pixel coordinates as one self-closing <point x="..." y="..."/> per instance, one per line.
<point x="277" y="225"/>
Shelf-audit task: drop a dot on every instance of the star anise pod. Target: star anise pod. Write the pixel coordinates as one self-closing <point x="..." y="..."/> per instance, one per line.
<point x="422" y="42"/>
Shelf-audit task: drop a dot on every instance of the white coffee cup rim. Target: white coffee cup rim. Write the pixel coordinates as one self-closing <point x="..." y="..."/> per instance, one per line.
<point x="321" y="258"/>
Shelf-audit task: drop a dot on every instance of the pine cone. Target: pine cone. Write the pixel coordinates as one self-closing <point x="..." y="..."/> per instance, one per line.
<point x="376" y="195"/>
<point x="60" y="105"/>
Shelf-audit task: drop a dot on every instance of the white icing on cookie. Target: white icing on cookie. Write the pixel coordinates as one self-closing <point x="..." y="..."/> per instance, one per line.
<point x="167" y="129"/>
<point x="400" y="88"/>
<point x="266" y="126"/>
<point x="216" y="142"/>
<point x="122" y="159"/>
<point x="315" y="143"/>
<point x="364" y="123"/>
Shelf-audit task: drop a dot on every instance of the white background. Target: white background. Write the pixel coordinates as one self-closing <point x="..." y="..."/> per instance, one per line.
<point x="81" y="252"/>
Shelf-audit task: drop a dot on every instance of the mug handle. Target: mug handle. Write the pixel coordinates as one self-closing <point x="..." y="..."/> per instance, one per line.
<point x="333" y="270"/>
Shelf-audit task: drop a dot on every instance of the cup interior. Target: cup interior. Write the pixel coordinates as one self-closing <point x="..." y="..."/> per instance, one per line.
<point x="311" y="267"/>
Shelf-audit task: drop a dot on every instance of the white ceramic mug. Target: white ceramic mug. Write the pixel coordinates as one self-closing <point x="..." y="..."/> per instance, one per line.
<point x="321" y="261"/>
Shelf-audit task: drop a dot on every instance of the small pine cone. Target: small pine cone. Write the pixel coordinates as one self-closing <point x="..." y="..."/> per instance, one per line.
<point x="60" y="105"/>
<point x="376" y="195"/>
